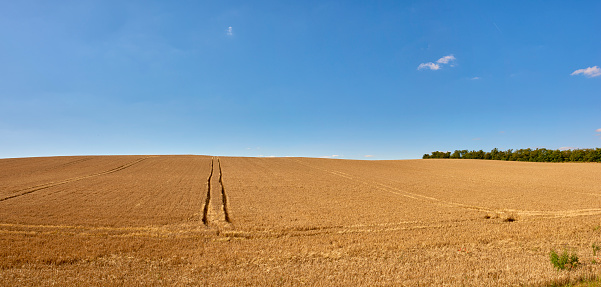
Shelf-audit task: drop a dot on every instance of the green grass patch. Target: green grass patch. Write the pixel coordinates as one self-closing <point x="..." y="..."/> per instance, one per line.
<point x="564" y="260"/>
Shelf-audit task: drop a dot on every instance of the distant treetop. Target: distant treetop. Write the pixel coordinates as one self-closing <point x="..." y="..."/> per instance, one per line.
<point x="536" y="155"/>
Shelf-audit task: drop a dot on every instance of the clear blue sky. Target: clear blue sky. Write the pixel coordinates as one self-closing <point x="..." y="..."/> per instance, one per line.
<point x="382" y="79"/>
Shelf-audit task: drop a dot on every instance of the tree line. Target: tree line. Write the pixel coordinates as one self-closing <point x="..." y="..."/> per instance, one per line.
<point x="534" y="155"/>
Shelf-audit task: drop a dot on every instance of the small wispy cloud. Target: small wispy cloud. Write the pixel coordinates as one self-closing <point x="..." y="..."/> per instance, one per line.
<point x="598" y="130"/>
<point x="330" y="156"/>
<point x="588" y="72"/>
<point x="429" y="65"/>
<point x="230" y="31"/>
<point x="368" y="155"/>
<point x="475" y="78"/>
<point x="446" y="60"/>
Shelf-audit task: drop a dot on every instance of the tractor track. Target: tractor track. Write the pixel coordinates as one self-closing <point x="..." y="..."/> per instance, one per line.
<point x="437" y="201"/>
<point x="33" y="189"/>
<point x="71" y="163"/>
<point x="215" y="210"/>
<point x="223" y="195"/>
<point x="205" y="209"/>
<point x="169" y="231"/>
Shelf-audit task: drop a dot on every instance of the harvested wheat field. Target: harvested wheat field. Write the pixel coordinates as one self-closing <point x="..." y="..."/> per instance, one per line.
<point x="227" y="221"/>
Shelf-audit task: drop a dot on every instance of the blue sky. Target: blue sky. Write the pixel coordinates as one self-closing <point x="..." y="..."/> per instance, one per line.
<point x="345" y="79"/>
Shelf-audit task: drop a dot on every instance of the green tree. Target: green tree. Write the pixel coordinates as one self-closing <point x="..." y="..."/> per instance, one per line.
<point x="456" y="154"/>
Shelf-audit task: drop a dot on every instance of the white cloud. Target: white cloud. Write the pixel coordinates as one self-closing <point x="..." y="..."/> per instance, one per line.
<point x="446" y="59"/>
<point x="430" y="66"/>
<point x="330" y="156"/>
<point x="598" y="130"/>
<point x="229" y="31"/>
<point x="368" y="155"/>
<point x="475" y="78"/>
<point x="436" y="66"/>
<point x="567" y="148"/>
<point x="588" y="72"/>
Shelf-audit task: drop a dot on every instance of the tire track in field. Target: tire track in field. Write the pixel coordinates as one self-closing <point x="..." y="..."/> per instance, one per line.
<point x="32" y="189"/>
<point x="165" y="231"/>
<point x="394" y="190"/>
<point x="191" y="232"/>
<point x="397" y="191"/>
<point x="508" y="211"/>
<point x="215" y="210"/>
<point x="71" y="163"/>
<point x="223" y="195"/>
<point x="205" y="209"/>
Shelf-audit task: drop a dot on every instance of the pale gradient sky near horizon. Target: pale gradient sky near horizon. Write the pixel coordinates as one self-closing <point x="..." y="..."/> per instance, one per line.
<point x="344" y="79"/>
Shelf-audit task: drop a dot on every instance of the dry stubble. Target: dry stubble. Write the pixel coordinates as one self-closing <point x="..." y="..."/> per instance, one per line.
<point x="294" y="221"/>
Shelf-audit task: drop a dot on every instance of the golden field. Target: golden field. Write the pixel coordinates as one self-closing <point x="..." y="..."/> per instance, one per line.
<point x="230" y="221"/>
